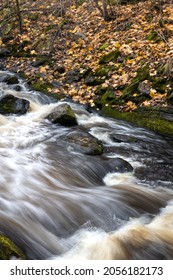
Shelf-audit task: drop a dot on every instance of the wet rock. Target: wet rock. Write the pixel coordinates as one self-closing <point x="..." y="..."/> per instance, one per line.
<point x="12" y="80"/>
<point x="119" y="165"/>
<point x="10" y="104"/>
<point x="3" y="77"/>
<point x="118" y="138"/>
<point x="8" y="250"/>
<point x="62" y="114"/>
<point x="17" y="88"/>
<point x="84" y="143"/>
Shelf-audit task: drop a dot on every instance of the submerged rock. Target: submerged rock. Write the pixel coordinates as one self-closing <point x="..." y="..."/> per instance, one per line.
<point x="8" y="250"/>
<point x="8" y="79"/>
<point x="3" y="77"/>
<point x="84" y="143"/>
<point x="9" y="104"/>
<point x="62" y="114"/>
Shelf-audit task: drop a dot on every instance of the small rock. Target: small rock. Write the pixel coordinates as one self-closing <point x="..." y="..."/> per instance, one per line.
<point x="84" y="143"/>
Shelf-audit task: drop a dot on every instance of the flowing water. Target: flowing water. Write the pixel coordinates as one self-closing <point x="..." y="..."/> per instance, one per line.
<point x="58" y="203"/>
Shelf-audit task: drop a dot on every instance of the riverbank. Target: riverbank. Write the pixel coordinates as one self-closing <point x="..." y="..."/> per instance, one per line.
<point x="121" y="68"/>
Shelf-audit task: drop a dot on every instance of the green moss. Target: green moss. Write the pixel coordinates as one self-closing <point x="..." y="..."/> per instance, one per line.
<point x="105" y="96"/>
<point x="40" y="86"/>
<point x="153" y="36"/>
<point x="104" y="46"/>
<point x="8" y="249"/>
<point x="142" y="74"/>
<point x="105" y="70"/>
<point x="149" y="119"/>
<point x="110" y="56"/>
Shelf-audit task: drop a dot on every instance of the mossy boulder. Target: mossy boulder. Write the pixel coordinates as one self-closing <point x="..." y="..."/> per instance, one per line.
<point x="8" y="250"/>
<point x="105" y="70"/>
<point x="83" y="142"/>
<point x="10" y="104"/>
<point x="111" y="56"/>
<point x="63" y="115"/>
<point x="148" y="117"/>
<point x="105" y="96"/>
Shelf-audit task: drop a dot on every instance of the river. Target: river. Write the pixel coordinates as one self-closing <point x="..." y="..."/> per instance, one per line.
<point x="56" y="203"/>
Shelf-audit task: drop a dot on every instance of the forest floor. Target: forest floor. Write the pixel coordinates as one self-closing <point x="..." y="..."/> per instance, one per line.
<point x="78" y="54"/>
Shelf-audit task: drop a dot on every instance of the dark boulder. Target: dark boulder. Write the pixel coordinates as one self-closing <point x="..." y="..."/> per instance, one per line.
<point x="12" y="80"/>
<point x="62" y="114"/>
<point x="84" y="143"/>
<point x="10" y="104"/>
